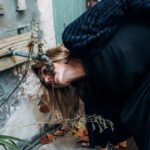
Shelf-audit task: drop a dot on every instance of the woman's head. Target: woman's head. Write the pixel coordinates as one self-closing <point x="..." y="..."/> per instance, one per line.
<point x="59" y="57"/>
<point x="65" y="99"/>
<point x="65" y="70"/>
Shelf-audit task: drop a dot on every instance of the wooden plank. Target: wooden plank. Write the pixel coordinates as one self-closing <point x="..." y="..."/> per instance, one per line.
<point x="19" y="42"/>
<point x="21" y="5"/>
<point x="1" y="8"/>
<point x="8" y="63"/>
<point x="14" y="42"/>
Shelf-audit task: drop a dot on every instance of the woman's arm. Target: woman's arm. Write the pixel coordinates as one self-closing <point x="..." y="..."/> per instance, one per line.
<point x="100" y="22"/>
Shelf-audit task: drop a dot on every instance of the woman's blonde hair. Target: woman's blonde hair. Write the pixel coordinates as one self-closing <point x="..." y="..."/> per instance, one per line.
<point x="58" y="53"/>
<point x="66" y="99"/>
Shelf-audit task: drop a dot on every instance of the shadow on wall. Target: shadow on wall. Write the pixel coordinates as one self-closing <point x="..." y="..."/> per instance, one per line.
<point x="21" y="115"/>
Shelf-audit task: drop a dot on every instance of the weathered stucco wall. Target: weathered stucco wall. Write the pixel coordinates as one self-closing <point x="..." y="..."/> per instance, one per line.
<point x="13" y="22"/>
<point x="22" y="109"/>
<point x="47" y="22"/>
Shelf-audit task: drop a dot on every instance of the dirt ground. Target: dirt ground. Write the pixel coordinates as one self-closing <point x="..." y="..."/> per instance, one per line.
<point x="68" y="142"/>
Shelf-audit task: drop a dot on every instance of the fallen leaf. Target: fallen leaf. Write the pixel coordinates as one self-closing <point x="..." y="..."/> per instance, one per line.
<point x="45" y="140"/>
<point x="44" y="108"/>
<point x="81" y="133"/>
<point x="44" y="96"/>
<point x="59" y="133"/>
<point x="50" y="137"/>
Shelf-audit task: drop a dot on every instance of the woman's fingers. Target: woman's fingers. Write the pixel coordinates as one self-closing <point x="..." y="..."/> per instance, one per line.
<point x="123" y="144"/>
<point x="85" y="144"/>
<point x="100" y="148"/>
<point x="82" y="139"/>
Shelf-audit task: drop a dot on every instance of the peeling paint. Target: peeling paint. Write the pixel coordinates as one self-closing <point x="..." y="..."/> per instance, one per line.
<point x="47" y="22"/>
<point x="22" y="108"/>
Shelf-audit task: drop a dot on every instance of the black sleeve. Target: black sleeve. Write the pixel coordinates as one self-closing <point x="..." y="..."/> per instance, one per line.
<point x="99" y="22"/>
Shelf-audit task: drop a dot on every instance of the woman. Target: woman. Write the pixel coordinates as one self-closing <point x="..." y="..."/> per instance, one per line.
<point x="110" y="54"/>
<point x="112" y="40"/>
<point x="66" y="86"/>
<point x="62" y="95"/>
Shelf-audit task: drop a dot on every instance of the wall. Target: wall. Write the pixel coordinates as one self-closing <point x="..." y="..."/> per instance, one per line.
<point x="13" y="22"/>
<point x="65" y="11"/>
<point x="20" y="115"/>
<point x="47" y="22"/>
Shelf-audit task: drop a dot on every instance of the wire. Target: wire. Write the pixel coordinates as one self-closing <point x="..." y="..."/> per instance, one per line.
<point x="36" y="139"/>
<point x="23" y="77"/>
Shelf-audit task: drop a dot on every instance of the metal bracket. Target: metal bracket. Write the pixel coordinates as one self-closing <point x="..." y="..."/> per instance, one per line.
<point x="1" y="8"/>
<point x="21" y="5"/>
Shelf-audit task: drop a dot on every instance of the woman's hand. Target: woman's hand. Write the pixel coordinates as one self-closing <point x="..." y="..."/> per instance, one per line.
<point x="116" y="147"/>
<point x="84" y="141"/>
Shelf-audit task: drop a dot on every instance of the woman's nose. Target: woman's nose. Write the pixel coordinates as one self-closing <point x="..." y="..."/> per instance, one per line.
<point x="48" y="79"/>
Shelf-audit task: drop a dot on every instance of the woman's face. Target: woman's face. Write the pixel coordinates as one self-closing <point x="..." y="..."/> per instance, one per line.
<point x="56" y="80"/>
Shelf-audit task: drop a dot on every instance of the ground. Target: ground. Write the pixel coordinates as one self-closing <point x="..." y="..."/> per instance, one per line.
<point x="68" y="142"/>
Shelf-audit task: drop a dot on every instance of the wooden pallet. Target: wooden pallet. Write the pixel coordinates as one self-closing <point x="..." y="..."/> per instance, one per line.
<point x="19" y="42"/>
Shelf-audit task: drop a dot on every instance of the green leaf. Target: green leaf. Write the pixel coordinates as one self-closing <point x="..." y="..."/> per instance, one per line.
<point x="9" y="145"/>
<point x="10" y="138"/>
<point x="3" y="146"/>
<point x="5" y="137"/>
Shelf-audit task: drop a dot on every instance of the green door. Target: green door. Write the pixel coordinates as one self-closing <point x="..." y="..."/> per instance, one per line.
<point x="65" y="11"/>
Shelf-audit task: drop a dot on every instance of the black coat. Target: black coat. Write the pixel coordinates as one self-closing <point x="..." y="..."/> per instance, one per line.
<point x="100" y="22"/>
<point x="117" y="62"/>
<point x="115" y="74"/>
